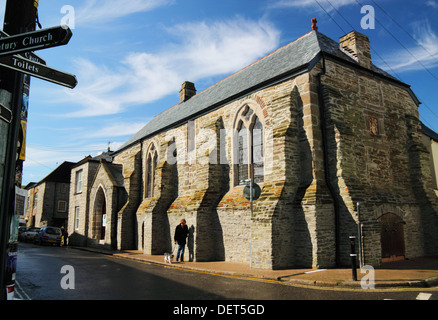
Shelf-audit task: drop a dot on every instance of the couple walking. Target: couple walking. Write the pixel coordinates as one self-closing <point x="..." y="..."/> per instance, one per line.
<point x="180" y="237"/>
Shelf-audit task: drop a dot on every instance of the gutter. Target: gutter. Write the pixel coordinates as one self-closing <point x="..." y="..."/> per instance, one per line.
<point x="329" y="184"/>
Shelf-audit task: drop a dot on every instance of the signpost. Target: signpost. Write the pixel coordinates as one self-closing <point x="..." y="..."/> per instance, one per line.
<point x="17" y="64"/>
<point x="28" y="54"/>
<point x="38" y="70"/>
<point x="35" y="40"/>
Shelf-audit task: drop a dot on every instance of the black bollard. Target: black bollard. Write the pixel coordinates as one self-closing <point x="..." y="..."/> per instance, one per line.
<point x="353" y="256"/>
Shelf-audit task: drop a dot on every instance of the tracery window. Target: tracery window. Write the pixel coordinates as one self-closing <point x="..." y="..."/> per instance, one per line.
<point x="249" y="162"/>
<point x="151" y="164"/>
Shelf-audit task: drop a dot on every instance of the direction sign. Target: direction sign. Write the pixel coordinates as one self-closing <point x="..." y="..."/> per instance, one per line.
<point x="29" y="55"/>
<point x="35" y="40"/>
<point x="38" y="70"/>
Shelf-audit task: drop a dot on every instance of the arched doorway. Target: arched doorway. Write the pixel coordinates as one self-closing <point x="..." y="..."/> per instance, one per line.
<point x="392" y="237"/>
<point x="99" y="225"/>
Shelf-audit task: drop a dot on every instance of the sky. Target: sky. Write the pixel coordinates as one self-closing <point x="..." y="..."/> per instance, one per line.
<point x="130" y="58"/>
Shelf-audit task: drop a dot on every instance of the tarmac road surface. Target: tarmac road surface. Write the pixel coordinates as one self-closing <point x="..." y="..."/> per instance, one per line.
<point x="63" y="273"/>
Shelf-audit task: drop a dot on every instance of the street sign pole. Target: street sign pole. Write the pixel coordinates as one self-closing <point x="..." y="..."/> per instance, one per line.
<point x="250" y="221"/>
<point x="254" y="194"/>
<point x="20" y="16"/>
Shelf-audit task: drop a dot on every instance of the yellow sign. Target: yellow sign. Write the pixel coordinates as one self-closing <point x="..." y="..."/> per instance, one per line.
<point x="22" y="155"/>
<point x="35" y="3"/>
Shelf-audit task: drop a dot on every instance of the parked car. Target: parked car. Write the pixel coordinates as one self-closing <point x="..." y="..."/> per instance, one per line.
<point x="50" y="235"/>
<point x="21" y="231"/>
<point x="30" y="233"/>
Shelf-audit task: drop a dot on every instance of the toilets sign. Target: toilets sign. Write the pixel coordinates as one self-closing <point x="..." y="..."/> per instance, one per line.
<point x="35" y="40"/>
<point x="38" y="70"/>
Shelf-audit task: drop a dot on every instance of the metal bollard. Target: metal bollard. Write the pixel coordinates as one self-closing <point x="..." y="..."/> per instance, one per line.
<point x="353" y="256"/>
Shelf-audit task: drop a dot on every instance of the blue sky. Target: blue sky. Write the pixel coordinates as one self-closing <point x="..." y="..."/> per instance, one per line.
<point x="131" y="57"/>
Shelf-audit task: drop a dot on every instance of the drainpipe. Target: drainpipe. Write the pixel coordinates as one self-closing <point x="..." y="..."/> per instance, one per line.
<point x="329" y="183"/>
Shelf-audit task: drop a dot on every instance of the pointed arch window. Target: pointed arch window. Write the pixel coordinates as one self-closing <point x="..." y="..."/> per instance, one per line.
<point x="249" y="153"/>
<point x="151" y="164"/>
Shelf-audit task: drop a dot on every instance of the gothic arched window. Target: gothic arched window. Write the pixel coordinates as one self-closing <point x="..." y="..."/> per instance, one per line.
<point x="249" y="161"/>
<point x="151" y="164"/>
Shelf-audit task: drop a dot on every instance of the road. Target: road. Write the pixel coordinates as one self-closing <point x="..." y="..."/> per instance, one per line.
<point x="54" y="273"/>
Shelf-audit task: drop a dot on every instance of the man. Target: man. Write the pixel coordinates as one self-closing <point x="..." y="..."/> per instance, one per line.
<point x="181" y="233"/>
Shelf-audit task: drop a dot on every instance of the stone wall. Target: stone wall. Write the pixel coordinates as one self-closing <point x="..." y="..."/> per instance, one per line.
<point x="132" y="172"/>
<point x="78" y="236"/>
<point x="371" y="157"/>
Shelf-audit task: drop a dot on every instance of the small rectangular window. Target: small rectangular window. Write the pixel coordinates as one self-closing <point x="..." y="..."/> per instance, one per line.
<point x="79" y="181"/>
<point x="62" y="206"/>
<point x="76" y="222"/>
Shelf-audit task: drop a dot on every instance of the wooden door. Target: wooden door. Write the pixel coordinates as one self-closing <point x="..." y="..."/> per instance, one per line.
<point x="392" y="238"/>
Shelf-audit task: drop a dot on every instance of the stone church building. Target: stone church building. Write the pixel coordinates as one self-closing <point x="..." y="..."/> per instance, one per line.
<point x="331" y="139"/>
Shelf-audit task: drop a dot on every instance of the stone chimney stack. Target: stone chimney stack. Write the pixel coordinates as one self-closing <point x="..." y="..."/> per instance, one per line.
<point x="187" y="91"/>
<point x="358" y="46"/>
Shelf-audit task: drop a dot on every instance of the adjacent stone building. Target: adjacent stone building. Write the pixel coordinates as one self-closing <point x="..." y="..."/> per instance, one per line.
<point x="331" y="139"/>
<point x="87" y="229"/>
<point x="47" y="200"/>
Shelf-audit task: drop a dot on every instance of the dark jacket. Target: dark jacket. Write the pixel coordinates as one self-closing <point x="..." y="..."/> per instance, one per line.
<point x="181" y="234"/>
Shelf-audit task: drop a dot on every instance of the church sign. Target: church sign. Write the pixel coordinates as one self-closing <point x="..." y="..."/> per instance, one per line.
<point x="35" y="40"/>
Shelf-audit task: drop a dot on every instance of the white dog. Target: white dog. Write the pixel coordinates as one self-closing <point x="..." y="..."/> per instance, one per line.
<point x="168" y="257"/>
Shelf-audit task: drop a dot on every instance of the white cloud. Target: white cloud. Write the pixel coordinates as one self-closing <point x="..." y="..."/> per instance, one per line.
<point x="423" y="55"/>
<point x="432" y="3"/>
<point x="203" y="50"/>
<point x="99" y="11"/>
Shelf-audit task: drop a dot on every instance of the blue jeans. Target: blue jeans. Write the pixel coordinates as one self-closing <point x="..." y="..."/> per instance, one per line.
<point x="181" y="249"/>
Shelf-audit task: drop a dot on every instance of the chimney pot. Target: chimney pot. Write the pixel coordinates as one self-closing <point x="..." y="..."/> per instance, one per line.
<point x="314" y="27"/>
<point x="187" y="91"/>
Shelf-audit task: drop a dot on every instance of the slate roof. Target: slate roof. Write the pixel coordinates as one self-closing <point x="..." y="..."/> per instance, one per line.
<point x="429" y="132"/>
<point x="60" y="174"/>
<point x="298" y="56"/>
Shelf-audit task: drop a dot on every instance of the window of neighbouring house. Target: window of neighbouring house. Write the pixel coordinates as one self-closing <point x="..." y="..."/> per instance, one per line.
<point x="76" y="222"/>
<point x="62" y="206"/>
<point x="35" y="198"/>
<point x="79" y="181"/>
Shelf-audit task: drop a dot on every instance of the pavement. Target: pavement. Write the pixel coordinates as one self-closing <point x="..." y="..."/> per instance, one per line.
<point x="413" y="273"/>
